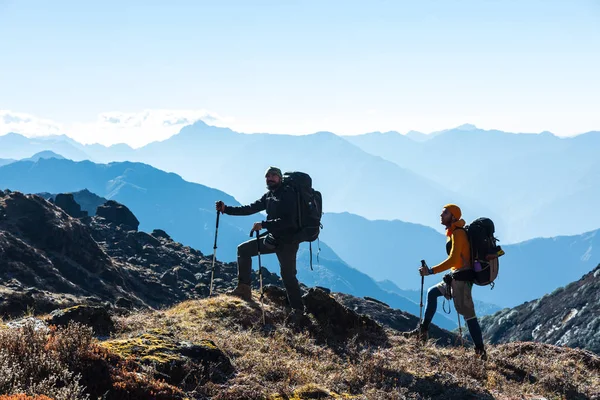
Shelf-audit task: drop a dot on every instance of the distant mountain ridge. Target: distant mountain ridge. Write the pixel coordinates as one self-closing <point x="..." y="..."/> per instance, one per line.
<point x="522" y="177"/>
<point x="487" y="172"/>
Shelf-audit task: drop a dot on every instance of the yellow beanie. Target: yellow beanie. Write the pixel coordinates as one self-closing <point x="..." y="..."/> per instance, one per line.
<point x="454" y="210"/>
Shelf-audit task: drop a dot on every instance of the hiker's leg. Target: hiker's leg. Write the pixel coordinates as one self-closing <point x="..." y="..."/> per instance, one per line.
<point x="432" y="295"/>
<point x="475" y="331"/>
<point x="286" y="253"/>
<point x="463" y="301"/>
<point x="245" y="252"/>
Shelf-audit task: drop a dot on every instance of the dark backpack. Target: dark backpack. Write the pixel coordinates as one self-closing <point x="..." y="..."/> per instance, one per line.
<point x="310" y="206"/>
<point x="484" y="253"/>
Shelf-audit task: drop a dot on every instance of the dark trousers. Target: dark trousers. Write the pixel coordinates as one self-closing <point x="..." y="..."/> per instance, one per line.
<point x="286" y="254"/>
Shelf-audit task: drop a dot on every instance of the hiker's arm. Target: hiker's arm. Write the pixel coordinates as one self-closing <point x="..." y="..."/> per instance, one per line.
<point x="454" y="260"/>
<point x="258" y="206"/>
<point x="287" y="219"/>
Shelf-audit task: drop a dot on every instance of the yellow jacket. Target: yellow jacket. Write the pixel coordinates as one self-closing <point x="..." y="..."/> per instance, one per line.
<point x="460" y="251"/>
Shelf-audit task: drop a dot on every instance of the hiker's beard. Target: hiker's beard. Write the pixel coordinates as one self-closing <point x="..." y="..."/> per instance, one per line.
<point x="271" y="185"/>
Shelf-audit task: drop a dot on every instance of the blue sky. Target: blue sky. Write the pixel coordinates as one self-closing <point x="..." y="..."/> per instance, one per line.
<point x="303" y="66"/>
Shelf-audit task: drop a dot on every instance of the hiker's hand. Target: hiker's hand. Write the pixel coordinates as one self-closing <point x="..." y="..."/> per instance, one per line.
<point x="220" y="206"/>
<point x="256" y="227"/>
<point x="424" y="270"/>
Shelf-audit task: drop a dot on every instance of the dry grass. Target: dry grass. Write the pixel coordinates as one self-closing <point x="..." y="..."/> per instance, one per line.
<point x="67" y="364"/>
<point x="279" y="362"/>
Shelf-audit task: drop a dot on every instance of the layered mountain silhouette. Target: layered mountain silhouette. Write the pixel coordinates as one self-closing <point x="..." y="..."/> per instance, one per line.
<point x="524" y="178"/>
<point x="159" y="199"/>
<point x="566" y="317"/>
<point x="354" y="180"/>
<point x="516" y="179"/>
<point x="381" y="248"/>
<point x="43" y="154"/>
<point x="15" y="146"/>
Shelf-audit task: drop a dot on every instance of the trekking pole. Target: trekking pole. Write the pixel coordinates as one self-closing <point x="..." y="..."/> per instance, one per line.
<point x="423" y="264"/>
<point x="212" y="269"/>
<point x="462" y="342"/>
<point x="262" y="306"/>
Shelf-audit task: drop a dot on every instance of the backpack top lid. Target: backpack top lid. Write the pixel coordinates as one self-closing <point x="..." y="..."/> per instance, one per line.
<point x="484" y="224"/>
<point x="482" y="240"/>
<point x="297" y="178"/>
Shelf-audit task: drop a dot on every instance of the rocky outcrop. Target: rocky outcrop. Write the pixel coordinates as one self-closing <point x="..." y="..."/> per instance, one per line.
<point x="96" y="317"/>
<point x="118" y="214"/>
<point x="87" y="201"/>
<point x="338" y="318"/>
<point x="50" y="260"/>
<point x="67" y="202"/>
<point x="393" y="318"/>
<point x="566" y="317"/>
<point x="176" y="360"/>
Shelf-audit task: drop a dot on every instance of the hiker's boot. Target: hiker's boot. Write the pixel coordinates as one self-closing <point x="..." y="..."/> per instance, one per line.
<point x="242" y="291"/>
<point x="421" y="332"/>
<point x="481" y="353"/>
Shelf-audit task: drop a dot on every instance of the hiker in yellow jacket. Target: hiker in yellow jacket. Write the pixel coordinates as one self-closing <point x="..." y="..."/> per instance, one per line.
<point x="459" y="257"/>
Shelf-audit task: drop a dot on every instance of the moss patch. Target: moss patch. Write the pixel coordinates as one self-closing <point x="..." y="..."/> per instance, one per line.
<point x="151" y="347"/>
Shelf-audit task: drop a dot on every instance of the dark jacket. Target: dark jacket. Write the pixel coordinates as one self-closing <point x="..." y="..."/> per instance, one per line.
<point x="281" y="206"/>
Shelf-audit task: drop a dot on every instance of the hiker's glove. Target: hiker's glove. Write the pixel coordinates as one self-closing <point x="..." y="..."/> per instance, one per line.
<point x="220" y="206"/>
<point x="425" y="271"/>
<point x="256" y="227"/>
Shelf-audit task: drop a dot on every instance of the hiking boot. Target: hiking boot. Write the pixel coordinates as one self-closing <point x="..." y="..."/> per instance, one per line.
<point x="420" y="332"/>
<point x="242" y="291"/>
<point x="481" y="353"/>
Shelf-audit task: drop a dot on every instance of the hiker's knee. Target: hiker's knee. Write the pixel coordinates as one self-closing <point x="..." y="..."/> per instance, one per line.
<point x="243" y="250"/>
<point x="467" y="312"/>
<point x="433" y="293"/>
<point x="465" y="307"/>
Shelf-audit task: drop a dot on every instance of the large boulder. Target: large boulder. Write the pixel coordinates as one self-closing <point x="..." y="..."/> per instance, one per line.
<point x="159" y="233"/>
<point x="67" y="202"/>
<point x="276" y="295"/>
<point x="177" y="361"/>
<point x="118" y="214"/>
<point x="95" y="317"/>
<point x="339" y="319"/>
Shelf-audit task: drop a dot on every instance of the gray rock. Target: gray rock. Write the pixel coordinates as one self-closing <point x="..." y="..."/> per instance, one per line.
<point x="96" y="317"/>
<point x="118" y="214"/>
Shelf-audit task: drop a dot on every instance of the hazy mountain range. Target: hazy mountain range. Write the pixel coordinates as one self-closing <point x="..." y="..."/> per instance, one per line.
<point x="519" y="180"/>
